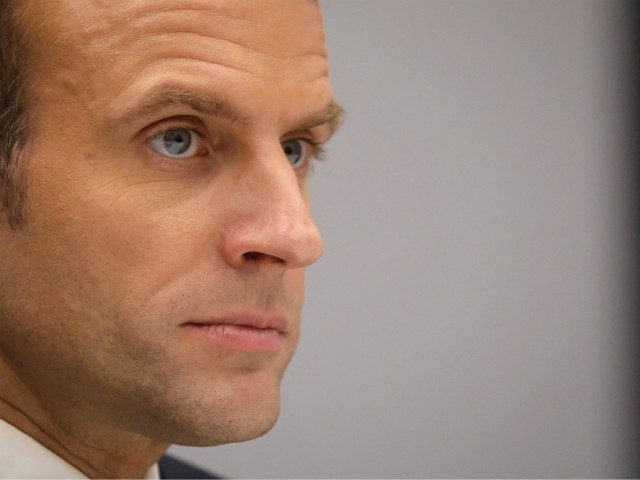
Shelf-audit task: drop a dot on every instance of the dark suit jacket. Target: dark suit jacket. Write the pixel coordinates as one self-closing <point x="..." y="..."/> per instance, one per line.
<point x="171" y="467"/>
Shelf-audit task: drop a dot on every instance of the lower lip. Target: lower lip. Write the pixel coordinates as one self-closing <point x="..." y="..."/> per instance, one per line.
<point x="241" y="337"/>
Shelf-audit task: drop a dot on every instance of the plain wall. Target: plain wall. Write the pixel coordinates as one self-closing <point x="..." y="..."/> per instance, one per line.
<point x="469" y="315"/>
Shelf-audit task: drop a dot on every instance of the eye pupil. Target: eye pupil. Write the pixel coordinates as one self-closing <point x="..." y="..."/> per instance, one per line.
<point x="293" y="150"/>
<point x="177" y="141"/>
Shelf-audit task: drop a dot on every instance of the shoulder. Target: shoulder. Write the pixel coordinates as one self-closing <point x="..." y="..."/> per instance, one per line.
<point x="172" y="468"/>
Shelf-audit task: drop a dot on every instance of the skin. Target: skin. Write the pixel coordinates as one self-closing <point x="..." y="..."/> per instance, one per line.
<point x="123" y="245"/>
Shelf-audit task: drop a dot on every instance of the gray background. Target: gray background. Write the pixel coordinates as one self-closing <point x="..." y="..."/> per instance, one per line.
<point x="469" y="315"/>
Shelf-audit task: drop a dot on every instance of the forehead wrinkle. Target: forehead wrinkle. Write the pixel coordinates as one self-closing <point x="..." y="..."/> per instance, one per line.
<point x="231" y="34"/>
<point x="148" y="64"/>
<point x="252" y="30"/>
<point x="186" y="42"/>
<point x="227" y="53"/>
<point x="161" y="32"/>
<point x="253" y="23"/>
<point x="214" y="39"/>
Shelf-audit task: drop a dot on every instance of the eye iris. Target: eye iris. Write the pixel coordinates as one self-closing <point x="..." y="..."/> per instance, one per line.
<point x="293" y="150"/>
<point x="177" y="141"/>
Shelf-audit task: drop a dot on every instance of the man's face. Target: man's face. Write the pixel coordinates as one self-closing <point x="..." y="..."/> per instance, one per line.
<point x="166" y="183"/>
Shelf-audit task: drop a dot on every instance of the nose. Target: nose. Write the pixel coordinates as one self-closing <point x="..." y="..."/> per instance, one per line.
<point x="270" y="223"/>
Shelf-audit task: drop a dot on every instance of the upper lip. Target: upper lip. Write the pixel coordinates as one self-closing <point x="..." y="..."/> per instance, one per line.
<point x="254" y="319"/>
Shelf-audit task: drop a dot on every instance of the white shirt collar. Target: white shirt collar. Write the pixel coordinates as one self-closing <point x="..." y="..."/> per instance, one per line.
<point x="22" y="457"/>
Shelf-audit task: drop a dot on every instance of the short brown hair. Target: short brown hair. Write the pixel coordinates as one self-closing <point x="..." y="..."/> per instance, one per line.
<point x="13" y="115"/>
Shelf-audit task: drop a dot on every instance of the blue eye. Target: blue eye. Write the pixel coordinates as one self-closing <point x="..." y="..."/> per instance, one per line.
<point x="176" y="143"/>
<point x="296" y="152"/>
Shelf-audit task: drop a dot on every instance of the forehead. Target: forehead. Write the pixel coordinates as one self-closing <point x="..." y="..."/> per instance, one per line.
<point x="278" y="29"/>
<point x="122" y="45"/>
<point x="253" y="23"/>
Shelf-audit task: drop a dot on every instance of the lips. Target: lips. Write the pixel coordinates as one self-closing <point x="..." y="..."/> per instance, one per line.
<point x="252" y="331"/>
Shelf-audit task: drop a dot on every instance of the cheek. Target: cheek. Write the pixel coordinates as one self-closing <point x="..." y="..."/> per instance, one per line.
<point x="125" y="226"/>
<point x="150" y="249"/>
<point x="137" y="248"/>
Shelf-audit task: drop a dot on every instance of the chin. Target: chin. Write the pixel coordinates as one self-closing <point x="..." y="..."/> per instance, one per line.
<point x="237" y="427"/>
<point x="218" y="415"/>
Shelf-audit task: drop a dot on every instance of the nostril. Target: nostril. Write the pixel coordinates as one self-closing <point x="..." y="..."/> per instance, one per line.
<point x="252" y="255"/>
<point x="258" y="256"/>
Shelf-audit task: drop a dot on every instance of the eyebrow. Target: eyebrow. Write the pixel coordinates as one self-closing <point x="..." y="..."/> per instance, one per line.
<point x="209" y="105"/>
<point x="200" y="102"/>
<point x="332" y="115"/>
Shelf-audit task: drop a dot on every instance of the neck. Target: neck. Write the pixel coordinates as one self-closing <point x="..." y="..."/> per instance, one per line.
<point x="96" y="450"/>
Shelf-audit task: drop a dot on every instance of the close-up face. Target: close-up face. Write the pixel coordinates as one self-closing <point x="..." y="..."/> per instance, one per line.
<point x="158" y="275"/>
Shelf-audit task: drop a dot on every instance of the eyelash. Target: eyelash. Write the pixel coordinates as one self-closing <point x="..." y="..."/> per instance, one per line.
<point x="318" y="151"/>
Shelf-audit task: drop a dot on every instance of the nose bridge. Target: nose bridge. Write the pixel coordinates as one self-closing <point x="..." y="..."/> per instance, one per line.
<point x="274" y="219"/>
<point x="281" y="209"/>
